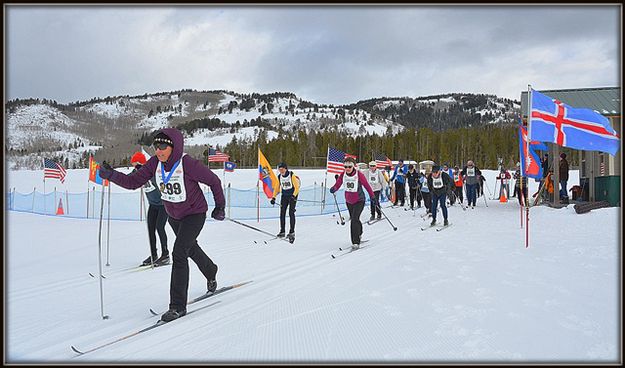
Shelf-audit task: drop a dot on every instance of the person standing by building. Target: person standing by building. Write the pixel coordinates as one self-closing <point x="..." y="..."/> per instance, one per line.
<point x="471" y="177"/>
<point x="178" y="176"/>
<point x="564" y="176"/>
<point x="440" y="183"/>
<point x="156" y="218"/>
<point x="354" y="197"/>
<point x="378" y="183"/>
<point x="289" y="187"/>
<point x="399" y="177"/>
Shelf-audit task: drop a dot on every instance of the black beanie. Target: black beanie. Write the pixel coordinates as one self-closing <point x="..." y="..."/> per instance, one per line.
<point x="162" y="137"/>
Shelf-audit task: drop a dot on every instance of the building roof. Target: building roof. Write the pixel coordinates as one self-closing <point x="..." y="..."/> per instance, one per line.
<point x="605" y="100"/>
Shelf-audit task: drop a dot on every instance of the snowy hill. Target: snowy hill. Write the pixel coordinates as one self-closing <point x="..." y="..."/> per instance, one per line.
<point x="40" y="127"/>
<point x="471" y="293"/>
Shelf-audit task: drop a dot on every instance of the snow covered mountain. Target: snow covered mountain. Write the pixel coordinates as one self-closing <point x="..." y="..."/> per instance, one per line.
<point x="114" y="124"/>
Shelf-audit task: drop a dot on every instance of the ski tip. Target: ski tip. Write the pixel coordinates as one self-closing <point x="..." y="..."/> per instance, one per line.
<point x="153" y="312"/>
<point x="76" y="350"/>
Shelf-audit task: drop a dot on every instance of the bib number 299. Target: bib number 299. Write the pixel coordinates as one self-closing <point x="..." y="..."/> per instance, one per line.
<point x="171" y="189"/>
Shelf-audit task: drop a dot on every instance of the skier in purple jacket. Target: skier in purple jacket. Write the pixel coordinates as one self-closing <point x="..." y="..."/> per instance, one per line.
<point x="354" y="196"/>
<point x="178" y="176"/>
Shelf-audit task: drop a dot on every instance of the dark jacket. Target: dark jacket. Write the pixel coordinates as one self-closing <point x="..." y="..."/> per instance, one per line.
<point x="413" y="179"/>
<point x="470" y="180"/>
<point x="195" y="172"/>
<point x="523" y="179"/>
<point x="154" y="196"/>
<point x="447" y="184"/>
<point x="564" y="169"/>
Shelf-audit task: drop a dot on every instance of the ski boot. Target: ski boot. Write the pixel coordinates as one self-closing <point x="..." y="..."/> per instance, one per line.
<point x="148" y="261"/>
<point x="433" y="222"/>
<point x="172" y="314"/>
<point x="163" y="260"/>
<point x="445" y="223"/>
<point x="291" y="237"/>
<point x="211" y="285"/>
<point x="280" y="234"/>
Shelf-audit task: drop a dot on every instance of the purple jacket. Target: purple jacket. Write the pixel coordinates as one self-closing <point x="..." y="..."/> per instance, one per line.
<point x="194" y="173"/>
<point x="358" y="196"/>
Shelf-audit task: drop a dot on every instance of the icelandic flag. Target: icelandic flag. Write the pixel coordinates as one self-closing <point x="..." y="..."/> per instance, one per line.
<point x="229" y="166"/>
<point x="578" y="128"/>
<point x="530" y="161"/>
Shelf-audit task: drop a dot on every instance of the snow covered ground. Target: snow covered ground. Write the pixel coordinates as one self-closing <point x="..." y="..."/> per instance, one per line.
<point x="471" y="293"/>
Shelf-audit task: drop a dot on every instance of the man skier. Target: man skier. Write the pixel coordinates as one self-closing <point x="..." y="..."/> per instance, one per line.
<point x="289" y="187"/>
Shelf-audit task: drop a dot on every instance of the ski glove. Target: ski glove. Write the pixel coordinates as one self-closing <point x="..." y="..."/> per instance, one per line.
<point x="106" y="171"/>
<point x="332" y="190"/>
<point x="218" y="214"/>
<point x="273" y="201"/>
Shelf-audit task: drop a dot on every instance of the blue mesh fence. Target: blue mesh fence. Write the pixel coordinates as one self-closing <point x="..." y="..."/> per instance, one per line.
<point x="241" y="204"/>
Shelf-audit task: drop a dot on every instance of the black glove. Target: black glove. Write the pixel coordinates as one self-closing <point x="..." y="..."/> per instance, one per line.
<point x="106" y="171"/>
<point x="273" y="201"/>
<point x="218" y="214"/>
<point x="332" y="190"/>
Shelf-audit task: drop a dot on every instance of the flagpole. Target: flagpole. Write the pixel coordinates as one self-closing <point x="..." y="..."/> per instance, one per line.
<point x="529" y="134"/>
<point x="325" y="182"/>
<point x="258" y="190"/>
<point x="108" y="224"/>
<point x="520" y="170"/>
<point x="44" y="185"/>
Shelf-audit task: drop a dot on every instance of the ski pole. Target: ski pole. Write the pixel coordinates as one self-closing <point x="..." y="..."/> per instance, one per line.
<point x="387" y="219"/>
<point x="338" y="209"/>
<point x="254" y="228"/>
<point x="100" y="256"/>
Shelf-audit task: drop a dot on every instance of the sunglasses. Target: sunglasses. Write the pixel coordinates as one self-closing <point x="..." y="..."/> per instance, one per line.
<point x="349" y="166"/>
<point x="160" y="146"/>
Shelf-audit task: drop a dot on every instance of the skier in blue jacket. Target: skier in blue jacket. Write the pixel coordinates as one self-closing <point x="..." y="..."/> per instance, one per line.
<point x="399" y="176"/>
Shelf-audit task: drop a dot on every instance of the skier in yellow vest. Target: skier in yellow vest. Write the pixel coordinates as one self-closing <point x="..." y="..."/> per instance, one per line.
<point x="289" y="186"/>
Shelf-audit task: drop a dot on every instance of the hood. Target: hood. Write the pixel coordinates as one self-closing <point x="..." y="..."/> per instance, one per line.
<point x="176" y="137"/>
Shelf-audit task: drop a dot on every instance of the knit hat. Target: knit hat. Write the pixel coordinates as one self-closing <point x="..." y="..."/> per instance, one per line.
<point x="282" y="164"/>
<point x="163" y="138"/>
<point x="436" y="168"/>
<point x="138" y="157"/>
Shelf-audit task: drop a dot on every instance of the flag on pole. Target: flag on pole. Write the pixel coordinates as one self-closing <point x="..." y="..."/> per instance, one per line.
<point x="335" y="160"/>
<point x="578" y="128"/>
<point x="229" y="166"/>
<point x="94" y="172"/>
<point x="530" y="161"/>
<point x="267" y="176"/>
<point x="216" y="156"/>
<point x="53" y="170"/>
<point x="381" y="161"/>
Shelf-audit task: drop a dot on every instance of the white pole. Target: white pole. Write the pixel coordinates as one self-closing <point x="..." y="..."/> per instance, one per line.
<point x="229" y="200"/>
<point x="100" y="256"/>
<point x="67" y="201"/>
<point x="529" y="134"/>
<point x="108" y="225"/>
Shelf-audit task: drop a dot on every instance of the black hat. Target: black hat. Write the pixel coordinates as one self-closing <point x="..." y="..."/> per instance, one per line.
<point x="282" y="164"/>
<point x="163" y="138"/>
<point x="436" y="168"/>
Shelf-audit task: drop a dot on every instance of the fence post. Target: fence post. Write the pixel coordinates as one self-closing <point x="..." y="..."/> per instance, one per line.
<point x="54" y="206"/>
<point x="32" y="207"/>
<point x="93" y="207"/>
<point x="13" y="199"/>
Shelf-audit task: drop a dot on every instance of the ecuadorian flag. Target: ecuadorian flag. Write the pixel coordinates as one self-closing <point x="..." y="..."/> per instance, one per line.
<point x="267" y="176"/>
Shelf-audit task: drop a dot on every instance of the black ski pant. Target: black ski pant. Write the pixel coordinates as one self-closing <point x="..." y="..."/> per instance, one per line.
<point x="439" y="198"/>
<point x="376" y="209"/>
<point x="186" y="246"/>
<point x="458" y="191"/>
<point x="400" y="190"/>
<point x="290" y="203"/>
<point x="413" y="196"/>
<point x="427" y="201"/>
<point x="354" y="218"/>
<point x="157" y="218"/>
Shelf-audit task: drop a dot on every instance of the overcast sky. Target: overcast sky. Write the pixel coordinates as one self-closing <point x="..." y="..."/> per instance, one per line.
<point x="326" y="54"/>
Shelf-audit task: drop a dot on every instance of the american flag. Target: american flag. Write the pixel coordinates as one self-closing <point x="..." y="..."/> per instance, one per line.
<point x="52" y="170"/>
<point x="335" y="160"/>
<point x="381" y="161"/>
<point x="216" y="156"/>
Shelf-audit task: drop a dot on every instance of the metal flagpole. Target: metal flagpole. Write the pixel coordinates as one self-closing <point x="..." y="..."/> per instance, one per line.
<point x="44" y="187"/>
<point x="520" y="172"/>
<point x="529" y="130"/>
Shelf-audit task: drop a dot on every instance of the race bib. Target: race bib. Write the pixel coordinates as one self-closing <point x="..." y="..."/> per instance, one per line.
<point x="172" y="184"/>
<point x="437" y="183"/>
<point x="351" y="183"/>
<point x="456" y="177"/>
<point x="471" y="171"/>
<point x="286" y="183"/>
<point x="373" y="177"/>
<point x="148" y="187"/>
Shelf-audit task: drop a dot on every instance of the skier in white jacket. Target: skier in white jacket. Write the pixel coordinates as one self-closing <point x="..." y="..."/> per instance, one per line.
<point x="377" y="181"/>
